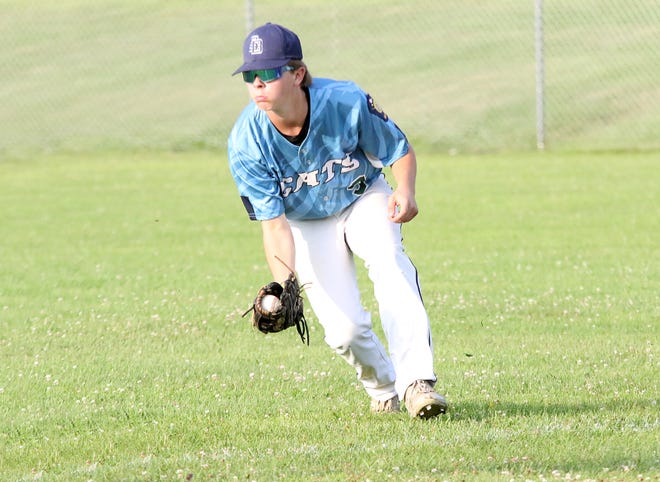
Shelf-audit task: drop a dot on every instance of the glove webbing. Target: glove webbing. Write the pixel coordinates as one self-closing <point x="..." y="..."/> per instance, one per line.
<point x="293" y="303"/>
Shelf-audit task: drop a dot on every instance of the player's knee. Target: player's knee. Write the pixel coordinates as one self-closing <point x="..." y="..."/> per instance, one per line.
<point x="341" y="336"/>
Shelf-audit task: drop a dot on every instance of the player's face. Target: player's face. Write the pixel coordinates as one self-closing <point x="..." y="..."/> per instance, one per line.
<point x="274" y="94"/>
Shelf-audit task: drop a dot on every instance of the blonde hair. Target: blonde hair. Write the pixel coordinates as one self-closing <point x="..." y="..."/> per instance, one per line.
<point x="296" y="64"/>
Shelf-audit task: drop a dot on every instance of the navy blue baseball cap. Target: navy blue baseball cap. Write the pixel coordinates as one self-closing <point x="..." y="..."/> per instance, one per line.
<point x="268" y="47"/>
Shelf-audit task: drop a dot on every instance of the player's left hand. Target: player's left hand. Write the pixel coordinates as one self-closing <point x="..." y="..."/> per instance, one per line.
<point x="402" y="206"/>
<point x="285" y="314"/>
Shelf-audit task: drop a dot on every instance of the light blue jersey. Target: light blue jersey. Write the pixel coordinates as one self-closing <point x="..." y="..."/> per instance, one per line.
<point x="349" y="141"/>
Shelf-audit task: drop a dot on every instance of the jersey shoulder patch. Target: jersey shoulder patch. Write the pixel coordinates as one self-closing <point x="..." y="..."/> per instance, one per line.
<point x="375" y="108"/>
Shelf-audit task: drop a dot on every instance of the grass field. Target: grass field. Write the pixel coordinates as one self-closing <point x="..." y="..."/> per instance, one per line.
<point x="126" y="258"/>
<point x="123" y="355"/>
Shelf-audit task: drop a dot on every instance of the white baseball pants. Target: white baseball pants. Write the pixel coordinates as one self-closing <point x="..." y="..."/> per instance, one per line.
<point x="325" y="263"/>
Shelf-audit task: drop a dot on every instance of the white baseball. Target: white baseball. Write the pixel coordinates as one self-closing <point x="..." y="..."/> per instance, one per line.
<point x="270" y="303"/>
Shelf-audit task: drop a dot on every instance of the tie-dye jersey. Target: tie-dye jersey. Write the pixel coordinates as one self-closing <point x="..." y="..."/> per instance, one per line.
<point x="349" y="141"/>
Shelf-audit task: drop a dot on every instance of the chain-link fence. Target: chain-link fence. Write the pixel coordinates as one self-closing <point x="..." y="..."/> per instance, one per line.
<point x="457" y="75"/>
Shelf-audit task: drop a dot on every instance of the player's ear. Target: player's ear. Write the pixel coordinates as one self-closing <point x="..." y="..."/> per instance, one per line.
<point x="299" y="74"/>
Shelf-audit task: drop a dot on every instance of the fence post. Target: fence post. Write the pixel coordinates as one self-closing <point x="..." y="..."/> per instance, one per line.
<point x="249" y="15"/>
<point x="540" y="75"/>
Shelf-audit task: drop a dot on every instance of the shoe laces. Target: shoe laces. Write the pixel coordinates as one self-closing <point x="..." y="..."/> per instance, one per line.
<point x="420" y="386"/>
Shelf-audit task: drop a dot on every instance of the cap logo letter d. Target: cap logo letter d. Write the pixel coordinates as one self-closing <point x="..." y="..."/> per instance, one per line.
<point x="256" y="45"/>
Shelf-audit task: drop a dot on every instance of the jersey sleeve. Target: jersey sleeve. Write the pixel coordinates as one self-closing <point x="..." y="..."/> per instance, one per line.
<point x="257" y="185"/>
<point x="379" y="137"/>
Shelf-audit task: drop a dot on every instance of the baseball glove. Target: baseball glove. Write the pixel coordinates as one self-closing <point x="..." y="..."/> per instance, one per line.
<point x="285" y="314"/>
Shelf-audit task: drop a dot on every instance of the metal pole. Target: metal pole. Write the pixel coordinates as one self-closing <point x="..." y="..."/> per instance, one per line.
<point x="540" y="75"/>
<point x="249" y="15"/>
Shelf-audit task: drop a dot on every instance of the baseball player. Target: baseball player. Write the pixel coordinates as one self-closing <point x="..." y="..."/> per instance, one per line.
<point x="307" y="157"/>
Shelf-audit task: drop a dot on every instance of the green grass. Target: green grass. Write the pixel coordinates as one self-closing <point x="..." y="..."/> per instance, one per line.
<point x="124" y="357"/>
<point x="126" y="258"/>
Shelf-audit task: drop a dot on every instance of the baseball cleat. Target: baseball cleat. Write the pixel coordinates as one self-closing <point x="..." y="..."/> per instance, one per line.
<point x="385" y="406"/>
<point x="423" y="401"/>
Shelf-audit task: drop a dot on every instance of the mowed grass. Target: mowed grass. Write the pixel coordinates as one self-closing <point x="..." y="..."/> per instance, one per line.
<point x="123" y="277"/>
